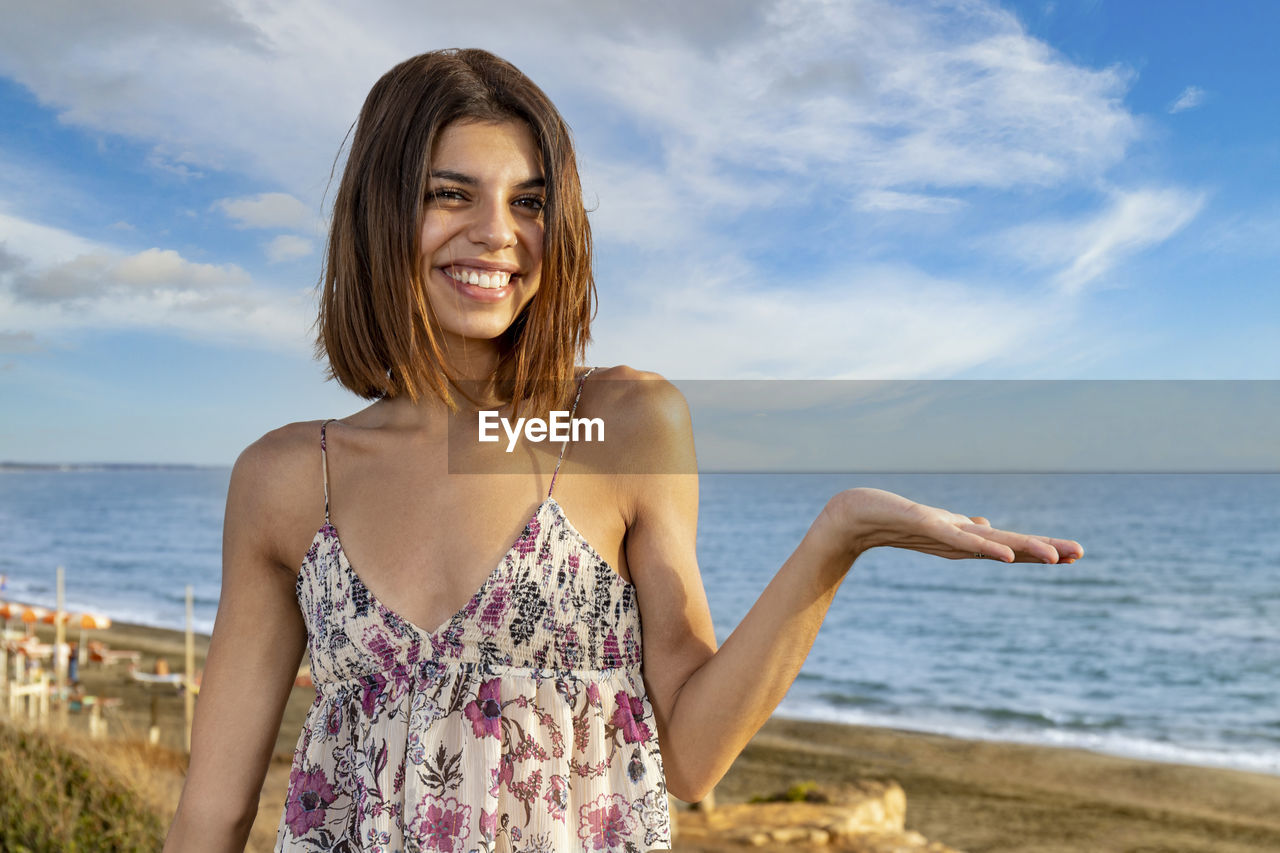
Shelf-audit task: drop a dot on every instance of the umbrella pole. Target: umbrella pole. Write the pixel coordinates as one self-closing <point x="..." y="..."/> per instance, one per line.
<point x="189" y="680"/>
<point x="59" y="644"/>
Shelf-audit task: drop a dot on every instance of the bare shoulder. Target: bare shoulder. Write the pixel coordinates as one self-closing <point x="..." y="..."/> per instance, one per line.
<point x="648" y="430"/>
<point x="642" y="403"/>
<point x="276" y="494"/>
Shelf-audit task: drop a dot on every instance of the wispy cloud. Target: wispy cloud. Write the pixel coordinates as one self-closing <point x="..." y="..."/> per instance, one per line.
<point x="1084" y="249"/>
<point x="870" y="322"/>
<point x="891" y="200"/>
<point x="14" y="342"/>
<point x="288" y="247"/>
<point x="269" y="210"/>
<point x="1191" y="97"/>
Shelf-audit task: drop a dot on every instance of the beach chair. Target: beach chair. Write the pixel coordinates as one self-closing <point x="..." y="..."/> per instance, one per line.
<point x="99" y="653"/>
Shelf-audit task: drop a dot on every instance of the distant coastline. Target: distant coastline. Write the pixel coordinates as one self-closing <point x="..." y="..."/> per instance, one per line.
<point x="103" y="466"/>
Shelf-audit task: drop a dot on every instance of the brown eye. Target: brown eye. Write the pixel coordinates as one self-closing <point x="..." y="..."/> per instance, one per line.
<point x="446" y="194"/>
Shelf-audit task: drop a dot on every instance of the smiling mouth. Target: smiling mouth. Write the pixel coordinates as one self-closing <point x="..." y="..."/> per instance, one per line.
<point x="488" y="279"/>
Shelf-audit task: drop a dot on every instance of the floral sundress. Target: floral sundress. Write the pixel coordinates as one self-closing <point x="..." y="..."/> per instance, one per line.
<point x="522" y="724"/>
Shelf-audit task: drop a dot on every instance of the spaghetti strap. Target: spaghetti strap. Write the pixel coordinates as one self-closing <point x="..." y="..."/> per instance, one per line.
<point x="324" y="464"/>
<point x="563" y="447"/>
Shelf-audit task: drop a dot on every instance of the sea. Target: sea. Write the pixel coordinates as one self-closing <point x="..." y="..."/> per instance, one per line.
<point x="1162" y="642"/>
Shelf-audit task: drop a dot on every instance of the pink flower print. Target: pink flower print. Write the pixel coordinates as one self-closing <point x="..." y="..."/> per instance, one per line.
<point x="333" y="718"/>
<point x="605" y="823"/>
<point x="503" y="774"/>
<point x="491" y="618"/>
<point x="593" y="694"/>
<point x="373" y="841"/>
<point x="612" y="659"/>
<point x="380" y="646"/>
<point x="448" y="642"/>
<point x="632" y="647"/>
<point x="528" y="539"/>
<point x="441" y="825"/>
<point x="568" y="648"/>
<point x="309" y="795"/>
<point x="488" y="824"/>
<point x="485" y="711"/>
<point x="627" y="717"/>
<point x="557" y="797"/>
<point x="374" y="685"/>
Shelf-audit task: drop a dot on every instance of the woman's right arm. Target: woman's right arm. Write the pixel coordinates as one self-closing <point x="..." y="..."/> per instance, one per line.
<point x="257" y="643"/>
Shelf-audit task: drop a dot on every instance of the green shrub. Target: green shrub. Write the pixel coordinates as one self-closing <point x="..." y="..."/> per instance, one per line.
<point x="803" y="792"/>
<point x="55" y="797"/>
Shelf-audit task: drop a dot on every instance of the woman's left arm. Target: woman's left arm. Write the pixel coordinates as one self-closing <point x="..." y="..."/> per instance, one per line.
<point x="709" y="702"/>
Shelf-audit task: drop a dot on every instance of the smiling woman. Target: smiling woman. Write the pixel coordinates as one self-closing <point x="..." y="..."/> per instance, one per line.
<point x="459" y="165"/>
<point x="482" y="229"/>
<point x="489" y="675"/>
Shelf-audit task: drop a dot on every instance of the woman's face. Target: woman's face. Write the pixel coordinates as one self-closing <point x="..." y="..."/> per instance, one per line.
<point x="482" y="227"/>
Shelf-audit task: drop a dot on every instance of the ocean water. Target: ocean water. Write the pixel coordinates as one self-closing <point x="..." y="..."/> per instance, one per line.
<point x="1162" y="643"/>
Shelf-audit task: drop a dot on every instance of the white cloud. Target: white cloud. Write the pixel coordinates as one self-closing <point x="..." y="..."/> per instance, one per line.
<point x="865" y="94"/>
<point x="17" y="342"/>
<point x="269" y="210"/>
<point x="40" y="245"/>
<point x="66" y="283"/>
<point x="178" y="166"/>
<point x="888" y="200"/>
<point x="867" y="323"/>
<point x="1191" y="97"/>
<point x="1084" y="249"/>
<point x="869" y="94"/>
<point x="690" y="118"/>
<point x="288" y="247"/>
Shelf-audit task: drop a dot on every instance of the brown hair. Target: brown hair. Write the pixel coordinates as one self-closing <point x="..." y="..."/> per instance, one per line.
<point x="374" y="310"/>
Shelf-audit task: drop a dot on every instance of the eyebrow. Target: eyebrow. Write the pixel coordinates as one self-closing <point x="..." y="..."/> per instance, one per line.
<point x="459" y="178"/>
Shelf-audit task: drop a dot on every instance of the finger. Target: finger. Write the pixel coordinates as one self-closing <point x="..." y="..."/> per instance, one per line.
<point x="978" y="519"/>
<point x="1068" y="550"/>
<point x="982" y="546"/>
<point x="1023" y="547"/>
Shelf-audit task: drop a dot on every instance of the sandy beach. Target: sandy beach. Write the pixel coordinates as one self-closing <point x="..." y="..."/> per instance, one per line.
<point x="970" y="795"/>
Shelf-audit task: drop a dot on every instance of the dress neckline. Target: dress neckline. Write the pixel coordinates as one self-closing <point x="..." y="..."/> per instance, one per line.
<point x="329" y="529"/>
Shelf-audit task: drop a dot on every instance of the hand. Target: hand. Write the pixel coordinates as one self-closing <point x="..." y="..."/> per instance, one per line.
<point x="857" y="520"/>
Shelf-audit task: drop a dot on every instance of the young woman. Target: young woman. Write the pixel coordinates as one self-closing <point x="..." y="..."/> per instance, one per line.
<point x="550" y="703"/>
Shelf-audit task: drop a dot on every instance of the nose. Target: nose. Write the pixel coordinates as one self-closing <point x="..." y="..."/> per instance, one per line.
<point x="494" y="227"/>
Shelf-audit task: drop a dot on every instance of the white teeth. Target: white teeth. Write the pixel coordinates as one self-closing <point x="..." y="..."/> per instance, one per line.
<point x="491" y="280"/>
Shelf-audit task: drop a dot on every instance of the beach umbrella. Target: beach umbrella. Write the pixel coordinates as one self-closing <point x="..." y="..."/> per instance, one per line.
<point x="92" y="621"/>
<point x="84" y="621"/>
<point x="31" y="614"/>
<point x="88" y="622"/>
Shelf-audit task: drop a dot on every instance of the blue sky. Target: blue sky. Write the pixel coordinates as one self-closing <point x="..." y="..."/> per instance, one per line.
<point x="790" y="189"/>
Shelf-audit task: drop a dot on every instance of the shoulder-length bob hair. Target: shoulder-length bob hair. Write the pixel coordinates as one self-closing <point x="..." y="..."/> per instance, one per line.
<point x="374" y="320"/>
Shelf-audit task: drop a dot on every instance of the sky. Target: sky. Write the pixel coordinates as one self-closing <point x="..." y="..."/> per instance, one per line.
<point x="781" y="189"/>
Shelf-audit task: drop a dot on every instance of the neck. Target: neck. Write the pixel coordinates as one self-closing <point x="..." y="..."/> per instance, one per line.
<point x="474" y="363"/>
